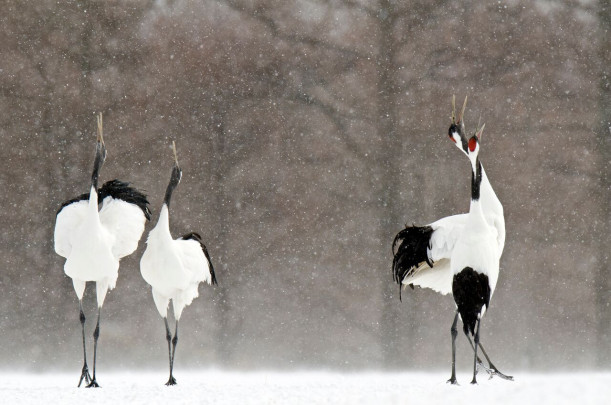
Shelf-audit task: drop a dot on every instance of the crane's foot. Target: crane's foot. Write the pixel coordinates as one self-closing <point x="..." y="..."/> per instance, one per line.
<point x="171" y="381"/>
<point x="93" y="384"/>
<point x="480" y="364"/>
<point x="494" y="372"/>
<point x="84" y="376"/>
<point x="452" y="381"/>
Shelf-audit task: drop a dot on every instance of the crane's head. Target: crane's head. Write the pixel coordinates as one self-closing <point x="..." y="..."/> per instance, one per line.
<point x="457" y="128"/>
<point x="473" y="145"/>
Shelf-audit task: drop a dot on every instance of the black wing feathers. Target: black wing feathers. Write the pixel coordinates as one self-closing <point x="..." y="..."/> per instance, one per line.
<point x="119" y="190"/>
<point x="198" y="238"/>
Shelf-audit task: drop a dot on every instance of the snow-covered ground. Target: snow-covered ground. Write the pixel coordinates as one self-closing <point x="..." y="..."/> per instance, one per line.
<point x="222" y="387"/>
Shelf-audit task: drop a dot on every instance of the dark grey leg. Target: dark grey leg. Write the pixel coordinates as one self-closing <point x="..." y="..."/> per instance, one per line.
<point x="168" y="335"/>
<point x="480" y="363"/>
<point x="476" y="342"/>
<point x="85" y="373"/>
<point x="96" y="335"/>
<point x="454" y="333"/>
<point x="172" y="380"/>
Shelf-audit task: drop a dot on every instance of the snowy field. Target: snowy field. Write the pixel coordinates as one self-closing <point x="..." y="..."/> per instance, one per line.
<point x="221" y="387"/>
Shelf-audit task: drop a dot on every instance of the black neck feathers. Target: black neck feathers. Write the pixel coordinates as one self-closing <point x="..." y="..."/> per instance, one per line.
<point x="100" y="156"/>
<point x="476" y="180"/>
<point x="174" y="180"/>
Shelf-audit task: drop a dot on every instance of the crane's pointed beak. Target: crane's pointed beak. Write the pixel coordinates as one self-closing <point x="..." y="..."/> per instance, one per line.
<point x="480" y="131"/>
<point x="462" y="112"/>
<point x="100" y="129"/>
<point x="175" y="154"/>
<point x="453" y="109"/>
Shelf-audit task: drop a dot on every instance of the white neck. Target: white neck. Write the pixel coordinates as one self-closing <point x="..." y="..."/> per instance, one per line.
<point x="163" y="224"/>
<point x="93" y="201"/>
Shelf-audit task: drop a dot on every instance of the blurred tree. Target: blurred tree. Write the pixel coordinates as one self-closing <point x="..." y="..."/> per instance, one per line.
<point x="602" y="281"/>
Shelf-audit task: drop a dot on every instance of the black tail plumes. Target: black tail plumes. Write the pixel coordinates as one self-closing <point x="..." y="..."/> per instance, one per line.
<point x="471" y="292"/>
<point x="413" y="243"/>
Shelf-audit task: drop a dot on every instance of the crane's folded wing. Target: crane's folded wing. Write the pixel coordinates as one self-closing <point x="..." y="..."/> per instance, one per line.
<point x="69" y="217"/>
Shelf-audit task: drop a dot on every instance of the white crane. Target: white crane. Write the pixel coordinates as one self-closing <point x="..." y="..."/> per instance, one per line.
<point x="422" y="253"/>
<point x="474" y="262"/>
<point x="94" y="236"/>
<point x="174" y="267"/>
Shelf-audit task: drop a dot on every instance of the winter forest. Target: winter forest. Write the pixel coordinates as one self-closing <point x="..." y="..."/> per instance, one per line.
<point x="310" y="133"/>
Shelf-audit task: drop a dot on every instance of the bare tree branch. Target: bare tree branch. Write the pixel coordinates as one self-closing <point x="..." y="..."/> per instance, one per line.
<point x="259" y="15"/>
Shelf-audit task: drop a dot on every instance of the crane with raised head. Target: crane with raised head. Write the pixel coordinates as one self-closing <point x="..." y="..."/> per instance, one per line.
<point x="174" y="267"/>
<point x="93" y="232"/>
<point x="474" y="262"/>
<point x="422" y="253"/>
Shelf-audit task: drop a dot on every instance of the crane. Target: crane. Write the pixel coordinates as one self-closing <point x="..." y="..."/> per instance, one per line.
<point x="93" y="232"/>
<point x="474" y="262"/>
<point x="174" y="267"/>
<point x="422" y="253"/>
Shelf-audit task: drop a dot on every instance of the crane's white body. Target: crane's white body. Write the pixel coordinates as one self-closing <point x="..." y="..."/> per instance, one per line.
<point x="446" y="234"/>
<point x="173" y="267"/>
<point x="477" y="247"/>
<point x="94" y="239"/>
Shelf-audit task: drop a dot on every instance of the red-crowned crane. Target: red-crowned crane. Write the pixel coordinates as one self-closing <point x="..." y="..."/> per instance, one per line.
<point x="93" y="232"/>
<point x="174" y="267"/>
<point x="474" y="262"/>
<point x="422" y="253"/>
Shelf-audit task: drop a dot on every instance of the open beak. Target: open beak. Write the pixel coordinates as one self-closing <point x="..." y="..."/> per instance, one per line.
<point x="100" y="129"/>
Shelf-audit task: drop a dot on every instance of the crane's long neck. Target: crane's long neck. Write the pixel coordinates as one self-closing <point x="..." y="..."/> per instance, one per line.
<point x="476" y="180"/>
<point x="97" y="165"/>
<point x="489" y="197"/>
<point x="164" y="219"/>
<point x="476" y="183"/>
<point x="174" y="180"/>
<point x="93" y="204"/>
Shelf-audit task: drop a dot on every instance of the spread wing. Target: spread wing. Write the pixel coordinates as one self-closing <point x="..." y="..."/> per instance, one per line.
<point x="124" y="212"/>
<point x="423" y="255"/>
<point x="125" y="222"/>
<point x="446" y="232"/>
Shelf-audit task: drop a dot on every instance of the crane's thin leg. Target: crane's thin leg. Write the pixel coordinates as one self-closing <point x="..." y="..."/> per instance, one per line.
<point x="454" y="333"/>
<point x="172" y="380"/>
<point x="96" y="335"/>
<point x="85" y="373"/>
<point x="476" y="341"/>
<point x="480" y="363"/>
<point x="168" y="336"/>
